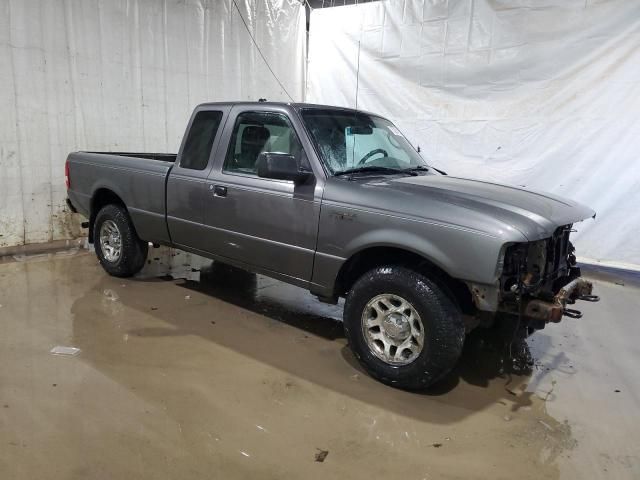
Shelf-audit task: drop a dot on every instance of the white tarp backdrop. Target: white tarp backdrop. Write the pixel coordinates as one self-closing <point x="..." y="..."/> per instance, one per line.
<point x="123" y="75"/>
<point x="544" y="94"/>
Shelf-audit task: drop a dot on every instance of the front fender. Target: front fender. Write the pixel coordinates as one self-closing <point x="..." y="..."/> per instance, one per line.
<point x="465" y="254"/>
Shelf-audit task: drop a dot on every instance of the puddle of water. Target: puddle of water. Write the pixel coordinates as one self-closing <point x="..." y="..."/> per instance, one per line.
<point x="226" y="361"/>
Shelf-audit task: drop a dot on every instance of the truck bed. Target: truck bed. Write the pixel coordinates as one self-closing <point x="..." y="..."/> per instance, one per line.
<point x="137" y="179"/>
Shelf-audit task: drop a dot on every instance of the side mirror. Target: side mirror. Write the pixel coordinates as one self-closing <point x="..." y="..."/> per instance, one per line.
<point x="281" y="166"/>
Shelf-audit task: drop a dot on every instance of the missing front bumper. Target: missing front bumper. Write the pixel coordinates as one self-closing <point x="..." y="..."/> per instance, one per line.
<point x="553" y="311"/>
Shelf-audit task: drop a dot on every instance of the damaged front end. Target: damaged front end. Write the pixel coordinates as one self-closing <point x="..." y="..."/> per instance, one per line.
<point x="540" y="279"/>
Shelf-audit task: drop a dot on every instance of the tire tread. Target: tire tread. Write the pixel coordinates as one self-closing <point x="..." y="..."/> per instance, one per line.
<point x="441" y="315"/>
<point x="134" y="250"/>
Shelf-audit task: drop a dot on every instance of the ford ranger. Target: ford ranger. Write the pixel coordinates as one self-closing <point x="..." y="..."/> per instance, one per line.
<point x="338" y="202"/>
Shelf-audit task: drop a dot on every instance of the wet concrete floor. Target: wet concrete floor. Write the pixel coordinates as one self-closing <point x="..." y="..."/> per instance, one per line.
<point x="194" y="370"/>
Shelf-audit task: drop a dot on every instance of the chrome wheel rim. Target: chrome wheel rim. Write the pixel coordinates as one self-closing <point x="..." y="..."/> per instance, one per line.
<point x="110" y="241"/>
<point x="393" y="329"/>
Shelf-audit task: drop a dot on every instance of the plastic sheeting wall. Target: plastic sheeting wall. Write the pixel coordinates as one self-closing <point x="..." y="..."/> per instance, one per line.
<point x="123" y="75"/>
<point x="544" y="94"/>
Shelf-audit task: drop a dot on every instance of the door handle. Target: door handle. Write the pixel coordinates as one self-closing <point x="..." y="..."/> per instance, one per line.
<point x="219" y="191"/>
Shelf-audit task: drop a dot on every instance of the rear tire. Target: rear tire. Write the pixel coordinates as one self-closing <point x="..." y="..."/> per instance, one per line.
<point x="403" y="328"/>
<point x="120" y="252"/>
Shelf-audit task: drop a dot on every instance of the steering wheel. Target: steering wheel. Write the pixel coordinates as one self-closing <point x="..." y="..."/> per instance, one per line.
<point x="364" y="159"/>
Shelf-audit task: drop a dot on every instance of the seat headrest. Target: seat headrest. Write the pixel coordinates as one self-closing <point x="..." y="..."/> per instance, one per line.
<point x="255" y="135"/>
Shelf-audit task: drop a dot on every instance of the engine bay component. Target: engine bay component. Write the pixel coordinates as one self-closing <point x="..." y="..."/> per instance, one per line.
<point x="553" y="311"/>
<point x="539" y="279"/>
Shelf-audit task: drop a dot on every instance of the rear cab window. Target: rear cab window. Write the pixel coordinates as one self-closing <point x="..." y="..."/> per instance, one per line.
<point x="197" y="147"/>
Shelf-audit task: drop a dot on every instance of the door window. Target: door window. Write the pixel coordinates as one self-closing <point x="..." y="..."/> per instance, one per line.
<point x="197" y="147"/>
<point x="257" y="132"/>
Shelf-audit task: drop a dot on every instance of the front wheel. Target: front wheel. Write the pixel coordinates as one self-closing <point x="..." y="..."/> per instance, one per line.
<point x="120" y="251"/>
<point x="403" y="328"/>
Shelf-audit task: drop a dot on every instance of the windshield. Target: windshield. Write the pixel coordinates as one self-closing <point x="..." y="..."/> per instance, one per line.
<point x="348" y="141"/>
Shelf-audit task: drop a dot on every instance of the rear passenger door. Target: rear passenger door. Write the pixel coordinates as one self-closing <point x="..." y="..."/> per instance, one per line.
<point x="186" y="185"/>
<point x="266" y="223"/>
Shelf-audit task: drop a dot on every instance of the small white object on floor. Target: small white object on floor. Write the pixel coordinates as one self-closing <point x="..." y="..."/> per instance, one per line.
<point x="60" y="350"/>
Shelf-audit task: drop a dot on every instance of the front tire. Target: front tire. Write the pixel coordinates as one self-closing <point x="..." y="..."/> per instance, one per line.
<point x="120" y="252"/>
<point x="403" y="328"/>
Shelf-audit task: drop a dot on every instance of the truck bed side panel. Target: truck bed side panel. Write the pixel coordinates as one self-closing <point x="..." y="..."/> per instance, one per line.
<point x="138" y="182"/>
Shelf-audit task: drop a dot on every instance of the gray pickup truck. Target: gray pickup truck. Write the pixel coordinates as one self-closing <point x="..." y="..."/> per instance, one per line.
<point x="338" y="202"/>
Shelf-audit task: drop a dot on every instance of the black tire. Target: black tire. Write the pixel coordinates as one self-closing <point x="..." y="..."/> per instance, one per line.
<point x="441" y="316"/>
<point x="133" y="250"/>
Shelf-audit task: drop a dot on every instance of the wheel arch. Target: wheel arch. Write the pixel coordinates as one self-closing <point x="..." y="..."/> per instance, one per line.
<point x="101" y="197"/>
<point x="387" y="255"/>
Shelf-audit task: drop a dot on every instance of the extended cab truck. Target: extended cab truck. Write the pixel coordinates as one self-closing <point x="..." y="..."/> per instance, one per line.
<point x="338" y="202"/>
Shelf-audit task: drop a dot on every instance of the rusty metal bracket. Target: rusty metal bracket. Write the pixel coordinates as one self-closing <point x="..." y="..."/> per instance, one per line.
<point x="553" y="311"/>
<point x="576" y="288"/>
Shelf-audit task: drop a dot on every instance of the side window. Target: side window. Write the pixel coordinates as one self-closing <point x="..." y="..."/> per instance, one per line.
<point x="257" y="132"/>
<point x="197" y="147"/>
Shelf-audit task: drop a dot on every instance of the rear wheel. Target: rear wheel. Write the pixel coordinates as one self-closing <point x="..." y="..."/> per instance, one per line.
<point x="120" y="252"/>
<point x="403" y="328"/>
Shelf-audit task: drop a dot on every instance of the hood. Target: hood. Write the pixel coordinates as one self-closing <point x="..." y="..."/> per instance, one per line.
<point x="478" y="205"/>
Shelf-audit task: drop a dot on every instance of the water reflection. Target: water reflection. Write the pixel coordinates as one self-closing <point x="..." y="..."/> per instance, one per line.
<point x="485" y="355"/>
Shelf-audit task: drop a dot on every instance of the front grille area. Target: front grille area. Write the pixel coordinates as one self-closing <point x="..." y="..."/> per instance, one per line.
<point x="558" y="253"/>
<point x="542" y="266"/>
